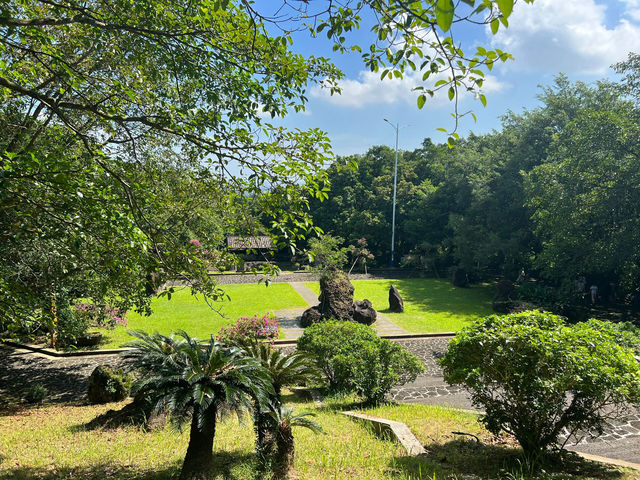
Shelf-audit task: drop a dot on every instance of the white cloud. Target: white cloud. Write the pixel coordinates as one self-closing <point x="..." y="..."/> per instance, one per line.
<point x="368" y="89"/>
<point x="632" y="9"/>
<point x="569" y="35"/>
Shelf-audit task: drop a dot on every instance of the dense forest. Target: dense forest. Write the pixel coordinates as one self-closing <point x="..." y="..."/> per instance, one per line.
<point x="555" y="192"/>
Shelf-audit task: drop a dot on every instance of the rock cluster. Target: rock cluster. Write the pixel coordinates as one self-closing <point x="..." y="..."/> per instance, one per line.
<point x="336" y="302"/>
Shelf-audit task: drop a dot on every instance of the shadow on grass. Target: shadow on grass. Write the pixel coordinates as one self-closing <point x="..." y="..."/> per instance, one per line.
<point x="439" y="296"/>
<point x="227" y="466"/>
<point x="470" y="458"/>
<point x="93" y="472"/>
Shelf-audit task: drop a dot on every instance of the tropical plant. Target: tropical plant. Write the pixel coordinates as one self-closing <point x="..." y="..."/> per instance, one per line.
<point x="36" y="393"/>
<point x="285" y="370"/>
<point x="196" y="382"/>
<point x="285" y="419"/>
<point x="536" y="377"/>
<point x="360" y="253"/>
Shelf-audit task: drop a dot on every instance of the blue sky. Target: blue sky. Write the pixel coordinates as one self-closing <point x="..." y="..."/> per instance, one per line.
<point x="581" y="38"/>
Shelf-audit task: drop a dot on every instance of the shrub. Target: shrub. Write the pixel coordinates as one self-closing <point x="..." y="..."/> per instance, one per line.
<point x="625" y="334"/>
<point x="108" y="384"/>
<point x="105" y="316"/>
<point x="327" y="253"/>
<point x="354" y="358"/>
<point x="263" y="328"/>
<point x="36" y="393"/>
<point x="69" y="327"/>
<point x="535" y="376"/>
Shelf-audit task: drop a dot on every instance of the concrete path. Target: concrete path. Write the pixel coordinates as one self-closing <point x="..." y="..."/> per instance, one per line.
<point x="289" y="319"/>
<point x="305" y="292"/>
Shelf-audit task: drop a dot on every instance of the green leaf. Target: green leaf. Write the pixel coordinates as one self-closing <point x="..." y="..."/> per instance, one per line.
<point x="483" y="100"/>
<point x="452" y="93"/>
<point x="444" y="14"/>
<point x="421" y="101"/>
<point x="495" y="24"/>
<point x="506" y="7"/>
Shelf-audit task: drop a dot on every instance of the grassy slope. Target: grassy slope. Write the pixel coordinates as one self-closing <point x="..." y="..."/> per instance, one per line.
<point x="192" y="314"/>
<point x="431" y="305"/>
<point x="49" y="442"/>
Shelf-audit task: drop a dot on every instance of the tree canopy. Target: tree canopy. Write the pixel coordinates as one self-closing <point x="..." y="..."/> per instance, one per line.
<point x="133" y="128"/>
<point x="554" y="192"/>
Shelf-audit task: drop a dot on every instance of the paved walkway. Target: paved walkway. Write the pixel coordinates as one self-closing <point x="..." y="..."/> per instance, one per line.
<point x="305" y="292"/>
<point x="289" y="319"/>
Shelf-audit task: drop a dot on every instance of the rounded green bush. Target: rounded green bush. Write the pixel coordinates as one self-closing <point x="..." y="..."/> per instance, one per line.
<point x="36" y="393"/>
<point x="108" y="384"/>
<point x="354" y="358"/>
<point x="535" y="376"/>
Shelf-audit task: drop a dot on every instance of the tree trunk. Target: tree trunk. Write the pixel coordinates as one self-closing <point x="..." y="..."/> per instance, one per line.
<point x="199" y="458"/>
<point x="285" y="452"/>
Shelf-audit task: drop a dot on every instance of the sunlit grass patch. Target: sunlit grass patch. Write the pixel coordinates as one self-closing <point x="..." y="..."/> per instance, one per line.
<point x="431" y="305"/>
<point x="194" y="315"/>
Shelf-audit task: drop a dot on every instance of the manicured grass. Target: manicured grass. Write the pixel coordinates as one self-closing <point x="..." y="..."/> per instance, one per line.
<point x="430" y="304"/>
<point x="192" y="314"/>
<point x="50" y="442"/>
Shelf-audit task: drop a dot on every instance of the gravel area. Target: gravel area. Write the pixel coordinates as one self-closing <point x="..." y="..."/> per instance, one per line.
<point x="65" y="378"/>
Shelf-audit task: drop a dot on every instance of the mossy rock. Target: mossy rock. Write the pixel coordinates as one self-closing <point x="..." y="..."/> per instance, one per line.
<point x="336" y="296"/>
<point x="108" y="384"/>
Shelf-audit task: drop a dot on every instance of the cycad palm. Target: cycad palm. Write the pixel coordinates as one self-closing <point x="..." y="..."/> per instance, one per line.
<point x="285" y="419"/>
<point x="284" y="370"/>
<point x="194" y="380"/>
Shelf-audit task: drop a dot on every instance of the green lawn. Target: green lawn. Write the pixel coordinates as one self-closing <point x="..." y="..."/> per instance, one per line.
<point x="50" y="442"/>
<point x="192" y="314"/>
<point x="430" y="305"/>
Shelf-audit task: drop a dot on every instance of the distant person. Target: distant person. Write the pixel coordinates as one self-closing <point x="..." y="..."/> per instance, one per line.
<point x="594" y="293"/>
<point x="612" y="292"/>
<point x="522" y="276"/>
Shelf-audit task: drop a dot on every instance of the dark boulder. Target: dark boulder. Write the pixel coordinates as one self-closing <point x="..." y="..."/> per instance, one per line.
<point x="108" y="384"/>
<point x="505" y="290"/>
<point x="336" y="296"/>
<point x="310" y="316"/>
<point x="505" y="296"/>
<point x="459" y="277"/>
<point x="363" y="312"/>
<point x="396" y="304"/>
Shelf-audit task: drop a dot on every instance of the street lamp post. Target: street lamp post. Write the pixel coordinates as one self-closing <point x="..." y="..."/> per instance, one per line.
<point x="395" y="181"/>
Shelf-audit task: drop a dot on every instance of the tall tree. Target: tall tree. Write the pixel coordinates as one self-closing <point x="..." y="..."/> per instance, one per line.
<point x="97" y="94"/>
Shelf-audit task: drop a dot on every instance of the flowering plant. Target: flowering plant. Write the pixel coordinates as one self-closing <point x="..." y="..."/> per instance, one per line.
<point x="250" y="328"/>
<point x="101" y="315"/>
